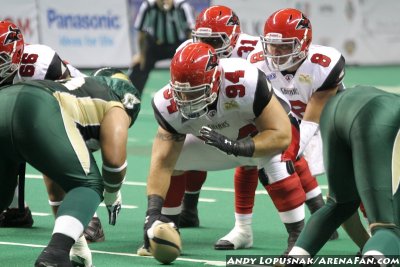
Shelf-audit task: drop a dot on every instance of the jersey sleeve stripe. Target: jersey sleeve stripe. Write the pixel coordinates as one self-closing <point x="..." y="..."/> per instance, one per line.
<point x="335" y="77"/>
<point x="263" y="94"/>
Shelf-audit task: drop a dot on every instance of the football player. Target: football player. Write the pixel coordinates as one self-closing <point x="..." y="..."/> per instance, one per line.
<point x="49" y="124"/>
<point x="24" y="62"/>
<point x="217" y="102"/>
<point x="219" y="27"/>
<point x="360" y="129"/>
<point x="306" y="74"/>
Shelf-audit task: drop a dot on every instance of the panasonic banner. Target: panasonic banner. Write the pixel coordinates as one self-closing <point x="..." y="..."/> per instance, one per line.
<point x="92" y="34"/>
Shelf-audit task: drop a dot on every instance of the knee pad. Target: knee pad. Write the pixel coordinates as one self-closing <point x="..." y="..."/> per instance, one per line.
<point x="287" y="194"/>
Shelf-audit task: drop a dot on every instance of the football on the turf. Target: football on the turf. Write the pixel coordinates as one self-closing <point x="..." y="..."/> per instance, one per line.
<point x="166" y="245"/>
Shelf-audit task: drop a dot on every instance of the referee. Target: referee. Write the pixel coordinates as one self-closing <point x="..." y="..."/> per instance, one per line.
<point x="163" y="25"/>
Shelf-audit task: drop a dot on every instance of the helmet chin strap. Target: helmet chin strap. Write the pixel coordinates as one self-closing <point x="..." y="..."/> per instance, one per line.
<point x="211" y="98"/>
<point x="194" y="115"/>
<point x="286" y="65"/>
<point x="289" y="63"/>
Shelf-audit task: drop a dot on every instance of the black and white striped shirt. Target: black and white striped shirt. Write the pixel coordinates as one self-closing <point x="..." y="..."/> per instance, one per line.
<point x="167" y="27"/>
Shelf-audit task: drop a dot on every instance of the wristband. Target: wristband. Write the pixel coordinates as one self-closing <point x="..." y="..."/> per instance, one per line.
<point x="244" y="147"/>
<point x="117" y="185"/>
<point x="55" y="203"/>
<point x="154" y="204"/>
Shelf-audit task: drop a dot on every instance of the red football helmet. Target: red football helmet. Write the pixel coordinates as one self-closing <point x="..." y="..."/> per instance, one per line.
<point x="287" y="37"/>
<point x="11" y="49"/>
<point x="219" y="27"/>
<point x="195" y="79"/>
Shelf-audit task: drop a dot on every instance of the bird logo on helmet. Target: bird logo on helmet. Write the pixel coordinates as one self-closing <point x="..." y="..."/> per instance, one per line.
<point x="304" y="23"/>
<point x="212" y="61"/>
<point x="14" y="34"/>
<point x="233" y="20"/>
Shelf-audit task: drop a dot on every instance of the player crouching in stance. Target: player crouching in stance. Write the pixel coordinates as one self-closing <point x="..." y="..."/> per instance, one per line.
<point x="360" y="130"/>
<point x="48" y="125"/>
<point x="206" y="91"/>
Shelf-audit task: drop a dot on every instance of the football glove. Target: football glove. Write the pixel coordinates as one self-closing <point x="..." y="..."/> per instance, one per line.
<point x="244" y="147"/>
<point x="153" y="215"/>
<point x="113" y="202"/>
<point x="152" y="221"/>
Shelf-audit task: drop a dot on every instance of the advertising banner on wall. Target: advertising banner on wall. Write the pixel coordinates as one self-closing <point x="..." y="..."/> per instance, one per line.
<point x="93" y="33"/>
<point x="90" y="34"/>
<point x="22" y="13"/>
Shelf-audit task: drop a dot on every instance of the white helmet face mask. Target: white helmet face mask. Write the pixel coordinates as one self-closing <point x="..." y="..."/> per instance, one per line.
<point x="220" y="41"/>
<point x="281" y="53"/>
<point x="193" y="101"/>
<point x="7" y="67"/>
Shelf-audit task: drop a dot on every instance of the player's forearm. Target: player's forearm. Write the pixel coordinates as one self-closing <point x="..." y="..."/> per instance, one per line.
<point x="271" y="142"/>
<point x="166" y="149"/>
<point x="307" y="130"/>
<point x="113" y="177"/>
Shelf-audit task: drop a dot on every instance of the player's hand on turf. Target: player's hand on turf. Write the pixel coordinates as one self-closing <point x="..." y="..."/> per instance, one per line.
<point x="113" y="202"/>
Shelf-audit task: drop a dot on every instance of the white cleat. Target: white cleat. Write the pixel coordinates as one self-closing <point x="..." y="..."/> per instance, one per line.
<point x="238" y="238"/>
<point x="80" y="254"/>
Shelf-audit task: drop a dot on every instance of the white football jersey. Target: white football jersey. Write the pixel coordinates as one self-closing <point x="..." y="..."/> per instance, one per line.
<point x="243" y="94"/>
<point x="244" y="45"/>
<point x="40" y="62"/>
<point x="322" y="69"/>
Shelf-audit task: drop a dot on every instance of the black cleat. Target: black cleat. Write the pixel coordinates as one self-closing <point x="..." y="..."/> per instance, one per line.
<point x="189" y="218"/>
<point x="189" y="215"/>
<point x="293" y="230"/>
<point x="51" y="257"/>
<point x="94" y="231"/>
<point x="15" y="218"/>
<point x="224" y="245"/>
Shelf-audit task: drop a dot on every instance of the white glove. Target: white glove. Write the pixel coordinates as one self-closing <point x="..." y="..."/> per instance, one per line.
<point x="113" y="202"/>
<point x="80" y="254"/>
<point x="150" y="231"/>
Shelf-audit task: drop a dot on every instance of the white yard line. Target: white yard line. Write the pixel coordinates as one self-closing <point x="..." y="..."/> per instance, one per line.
<point x="205" y="188"/>
<point x="207" y="262"/>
